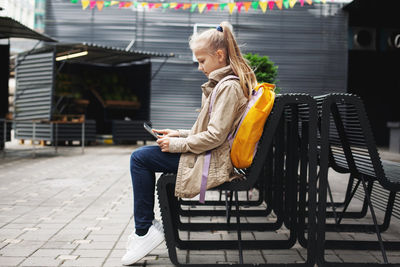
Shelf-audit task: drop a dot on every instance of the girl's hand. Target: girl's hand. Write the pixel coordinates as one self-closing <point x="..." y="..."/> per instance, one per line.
<point x="167" y="132"/>
<point x="163" y="143"/>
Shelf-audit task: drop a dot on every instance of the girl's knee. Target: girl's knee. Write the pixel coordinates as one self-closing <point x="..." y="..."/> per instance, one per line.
<point x="140" y="154"/>
<point x="136" y="154"/>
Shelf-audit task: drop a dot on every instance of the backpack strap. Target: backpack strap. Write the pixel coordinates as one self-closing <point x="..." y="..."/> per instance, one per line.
<point x="207" y="158"/>
<point x="216" y="89"/>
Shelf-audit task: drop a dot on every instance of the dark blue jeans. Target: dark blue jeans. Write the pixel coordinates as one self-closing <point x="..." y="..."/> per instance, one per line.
<point x="145" y="161"/>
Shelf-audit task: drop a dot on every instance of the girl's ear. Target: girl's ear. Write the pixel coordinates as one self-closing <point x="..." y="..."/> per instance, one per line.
<point x="221" y="55"/>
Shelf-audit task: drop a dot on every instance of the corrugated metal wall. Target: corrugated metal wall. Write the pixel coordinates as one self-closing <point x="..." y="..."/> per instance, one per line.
<point x="33" y="96"/>
<point x="309" y="44"/>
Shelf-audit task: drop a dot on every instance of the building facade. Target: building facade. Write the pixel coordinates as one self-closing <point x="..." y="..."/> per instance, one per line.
<point x="308" y="44"/>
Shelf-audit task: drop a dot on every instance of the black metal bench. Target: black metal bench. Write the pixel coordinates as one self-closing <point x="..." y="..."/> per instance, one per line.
<point x="283" y="163"/>
<point x="347" y="145"/>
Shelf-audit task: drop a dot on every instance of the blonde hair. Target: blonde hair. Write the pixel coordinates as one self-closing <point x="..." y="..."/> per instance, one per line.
<point x="215" y="39"/>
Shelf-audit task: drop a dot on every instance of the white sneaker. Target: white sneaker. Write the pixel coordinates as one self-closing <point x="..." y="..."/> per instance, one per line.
<point x="140" y="246"/>
<point x="131" y="237"/>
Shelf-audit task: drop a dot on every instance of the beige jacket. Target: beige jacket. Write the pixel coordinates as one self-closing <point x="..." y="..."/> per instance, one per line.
<point x="207" y="134"/>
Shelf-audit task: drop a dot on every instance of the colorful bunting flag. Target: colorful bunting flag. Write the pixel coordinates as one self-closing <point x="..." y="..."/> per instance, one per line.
<point x="85" y="4"/>
<point x="92" y="4"/>
<point x="231" y="6"/>
<point x="263" y="4"/>
<point x="286" y="3"/>
<point x="239" y="6"/>
<point x="271" y="5"/>
<point x="201" y="7"/>
<point x="193" y="8"/>
<point x="247" y="6"/>
<point x="279" y="4"/>
<point x="100" y="5"/>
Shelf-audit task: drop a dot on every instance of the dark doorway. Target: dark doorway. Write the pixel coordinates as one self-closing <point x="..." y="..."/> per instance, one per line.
<point x="104" y="93"/>
<point x="375" y="77"/>
<point x="4" y="75"/>
<point x="373" y="66"/>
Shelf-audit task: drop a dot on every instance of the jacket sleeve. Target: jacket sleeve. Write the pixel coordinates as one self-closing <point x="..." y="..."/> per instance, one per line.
<point x="183" y="133"/>
<point x="223" y="115"/>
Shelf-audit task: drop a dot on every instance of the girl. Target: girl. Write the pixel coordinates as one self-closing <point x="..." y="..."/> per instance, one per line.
<point x="183" y="151"/>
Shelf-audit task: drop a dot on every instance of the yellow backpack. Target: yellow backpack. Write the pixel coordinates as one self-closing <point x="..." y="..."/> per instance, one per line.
<point x="245" y="139"/>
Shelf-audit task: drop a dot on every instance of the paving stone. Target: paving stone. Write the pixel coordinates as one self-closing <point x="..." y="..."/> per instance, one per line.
<point x="12" y="252"/>
<point x="280" y="252"/>
<point x="249" y="256"/>
<point x="12" y="241"/>
<point x="332" y="258"/>
<point x="41" y="261"/>
<point x="206" y="258"/>
<point x="37" y="236"/>
<point x="67" y="257"/>
<point x="10" y="261"/>
<point x="59" y="245"/>
<point x="92" y="253"/>
<point x="269" y="236"/>
<point x="113" y="262"/>
<point x="84" y="197"/>
<point x="355" y="257"/>
<point x="284" y="259"/>
<point x="96" y="237"/>
<point x="118" y="253"/>
<point x="45" y="252"/>
<point x="391" y="259"/>
<point x="160" y="262"/>
<point x="97" y="245"/>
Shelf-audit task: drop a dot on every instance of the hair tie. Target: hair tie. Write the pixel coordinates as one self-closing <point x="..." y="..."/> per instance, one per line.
<point x="219" y="28"/>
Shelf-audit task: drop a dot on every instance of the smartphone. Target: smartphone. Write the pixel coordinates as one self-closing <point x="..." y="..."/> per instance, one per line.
<point x="148" y="128"/>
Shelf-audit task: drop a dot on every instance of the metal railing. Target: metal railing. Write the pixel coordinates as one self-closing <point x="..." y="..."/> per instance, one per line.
<point x="54" y="131"/>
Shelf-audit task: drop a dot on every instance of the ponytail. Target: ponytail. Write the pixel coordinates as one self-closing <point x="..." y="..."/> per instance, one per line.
<point x="223" y="38"/>
<point x="238" y="63"/>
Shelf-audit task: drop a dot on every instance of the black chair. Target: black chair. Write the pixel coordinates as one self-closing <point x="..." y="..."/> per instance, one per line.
<point x="276" y="164"/>
<point x="347" y="140"/>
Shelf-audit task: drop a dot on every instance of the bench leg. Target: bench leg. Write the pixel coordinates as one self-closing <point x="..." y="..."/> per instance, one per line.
<point x="378" y="233"/>
<point x="165" y="187"/>
<point x="238" y="228"/>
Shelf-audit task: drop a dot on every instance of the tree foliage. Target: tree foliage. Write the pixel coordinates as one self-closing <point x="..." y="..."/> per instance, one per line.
<point x="264" y="68"/>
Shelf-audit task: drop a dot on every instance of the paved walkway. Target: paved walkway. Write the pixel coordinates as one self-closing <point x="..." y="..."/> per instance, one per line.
<point x="74" y="209"/>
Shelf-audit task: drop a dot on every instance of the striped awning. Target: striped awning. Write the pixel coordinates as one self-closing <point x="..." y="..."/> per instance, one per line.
<point x="12" y="28"/>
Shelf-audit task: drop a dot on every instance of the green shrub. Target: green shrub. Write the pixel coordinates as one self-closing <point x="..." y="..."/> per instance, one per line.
<point x="264" y="68"/>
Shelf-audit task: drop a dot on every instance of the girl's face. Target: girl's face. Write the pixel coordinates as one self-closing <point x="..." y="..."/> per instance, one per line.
<point x="210" y="62"/>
